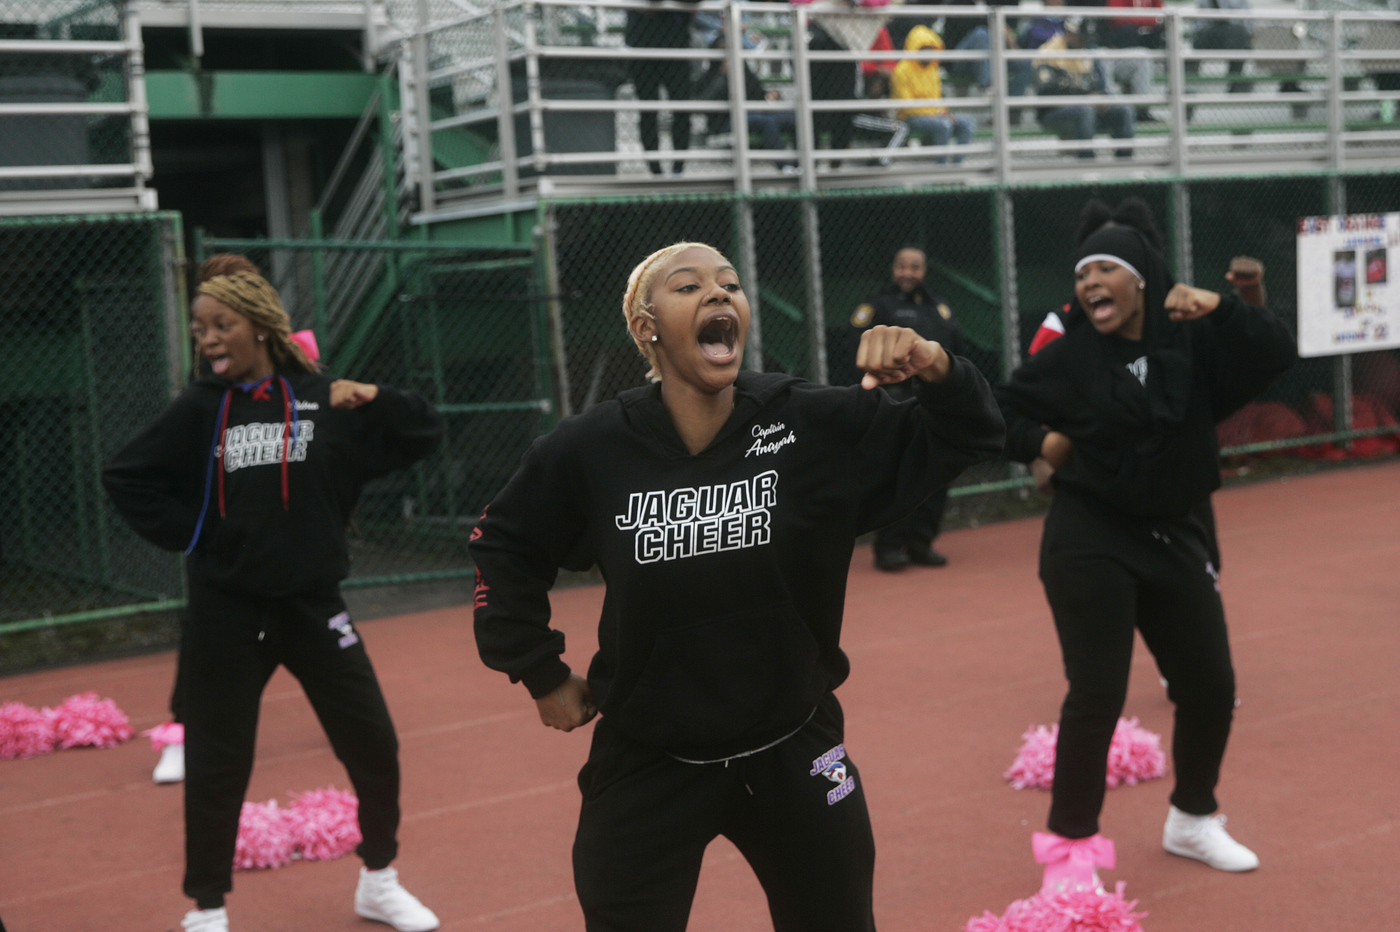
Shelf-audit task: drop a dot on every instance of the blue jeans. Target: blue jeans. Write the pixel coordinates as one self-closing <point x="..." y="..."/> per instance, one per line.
<point x="938" y="129"/>
<point x="772" y="126"/>
<point x="1083" y="122"/>
<point x="1018" y="73"/>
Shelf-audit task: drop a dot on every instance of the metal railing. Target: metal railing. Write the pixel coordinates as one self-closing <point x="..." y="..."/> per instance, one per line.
<point x="74" y="126"/>
<point x="1314" y="93"/>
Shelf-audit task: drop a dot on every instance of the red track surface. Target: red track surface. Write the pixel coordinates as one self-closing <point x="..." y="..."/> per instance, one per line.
<point x="950" y="666"/>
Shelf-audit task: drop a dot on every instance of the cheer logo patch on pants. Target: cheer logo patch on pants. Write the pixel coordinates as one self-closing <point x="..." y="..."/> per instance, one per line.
<point x="341" y="623"/>
<point x="829" y="765"/>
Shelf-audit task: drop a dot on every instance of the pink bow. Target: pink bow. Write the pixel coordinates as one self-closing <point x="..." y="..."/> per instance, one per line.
<point x="306" y="339"/>
<point x="1070" y="862"/>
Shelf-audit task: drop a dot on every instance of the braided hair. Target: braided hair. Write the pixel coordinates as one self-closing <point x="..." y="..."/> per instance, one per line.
<point x="236" y="283"/>
<point x="225" y="263"/>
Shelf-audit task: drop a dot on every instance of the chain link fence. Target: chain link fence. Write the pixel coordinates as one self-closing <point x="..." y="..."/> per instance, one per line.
<point x="507" y="339"/>
<point x="464" y="326"/>
<point x="91" y="328"/>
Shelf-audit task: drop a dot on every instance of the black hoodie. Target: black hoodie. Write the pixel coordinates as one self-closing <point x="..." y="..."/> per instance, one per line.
<point x="165" y="478"/>
<point x="725" y="570"/>
<point x="1144" y="450"/>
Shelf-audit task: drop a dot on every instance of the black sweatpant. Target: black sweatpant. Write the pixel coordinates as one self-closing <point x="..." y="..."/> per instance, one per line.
<point x="1104" y="575"/>
<point x="648" y="77"/>
<point x="647" y="819"/>
<point x="917" y="529"/>
<point x="232" y="645"/>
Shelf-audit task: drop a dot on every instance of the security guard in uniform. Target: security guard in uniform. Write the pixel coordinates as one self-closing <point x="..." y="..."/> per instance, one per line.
<point x="905" y="303"/>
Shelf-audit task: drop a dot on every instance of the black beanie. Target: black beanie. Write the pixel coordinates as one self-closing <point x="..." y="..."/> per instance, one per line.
<point x="1122" y="244"/>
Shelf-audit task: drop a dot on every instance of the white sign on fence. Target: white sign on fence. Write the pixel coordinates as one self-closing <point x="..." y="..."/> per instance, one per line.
<point x="1348" y="298"/>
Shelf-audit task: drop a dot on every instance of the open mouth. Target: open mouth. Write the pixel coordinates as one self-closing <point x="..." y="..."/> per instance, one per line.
<point x="219" y="364"/>
<point x="1100" y="307"/>
<point x="719" y="335"/>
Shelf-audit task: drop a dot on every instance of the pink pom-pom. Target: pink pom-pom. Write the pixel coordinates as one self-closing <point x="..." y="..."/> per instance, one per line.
<point x="25" y="731"/>
<point x="87" y="721"/>
<point x="1135" y="755"/>
<point x="165" y="733"/>
<point x="324" y="824"/>
<point x="1034" y="766"/>
<point x="263" y="837"/>
<point x="1065" y="911"/>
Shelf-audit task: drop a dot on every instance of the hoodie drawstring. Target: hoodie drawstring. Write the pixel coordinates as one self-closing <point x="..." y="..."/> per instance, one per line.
<point x="258" y="391"/>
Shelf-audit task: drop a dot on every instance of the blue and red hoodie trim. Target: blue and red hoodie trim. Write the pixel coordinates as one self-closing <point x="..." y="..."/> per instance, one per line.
<point x="260" y="390"/>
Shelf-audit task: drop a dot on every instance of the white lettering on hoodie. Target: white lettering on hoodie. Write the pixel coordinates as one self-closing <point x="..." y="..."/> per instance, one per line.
<point x="261" y="444"/>
<point x="679" y="523"/>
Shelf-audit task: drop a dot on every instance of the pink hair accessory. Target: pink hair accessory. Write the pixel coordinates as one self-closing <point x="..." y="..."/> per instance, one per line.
<point x="306" y="339"/>
<point x="165" y="733"/>
<point x="1070" y="862"/>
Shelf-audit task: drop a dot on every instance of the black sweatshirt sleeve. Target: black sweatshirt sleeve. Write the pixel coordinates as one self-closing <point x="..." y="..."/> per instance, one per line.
<point x="1029" y="401"/>
<point x="400" y="428"/>
<point x="155" y="480"/>
<point x="1252" y="348"/>
<point x="908" y="451"/>
<point x="527" y="532"/>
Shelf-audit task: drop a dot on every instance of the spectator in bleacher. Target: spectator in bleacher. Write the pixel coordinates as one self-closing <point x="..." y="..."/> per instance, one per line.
<point x="771" y="126"/>
<point x="831" y="80"/>
<point x="918" y="79"/>
<point x="875" y="75"/>
<point x="1134" y="75"/>
<point x="1063" y="77"/>
<point x="661" y="29"/>
<point x="970" y="34"/>
<point x="1223" y="34"/>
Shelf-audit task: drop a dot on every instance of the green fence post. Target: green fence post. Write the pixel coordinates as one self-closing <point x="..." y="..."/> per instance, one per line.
<point x="94" y="443"/>
<point x="551" y="364"/>
<point x="318" y="274"/>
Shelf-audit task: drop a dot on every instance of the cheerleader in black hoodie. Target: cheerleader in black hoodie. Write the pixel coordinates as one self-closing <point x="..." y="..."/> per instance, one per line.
<point x="252" y="472"/>
<point x="1120" y="415"/>
<point x="721" y="507"/>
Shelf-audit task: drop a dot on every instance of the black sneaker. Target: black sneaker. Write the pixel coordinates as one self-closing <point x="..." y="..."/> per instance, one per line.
<point x="927" y="556"/>
<point x="891" y="561"/>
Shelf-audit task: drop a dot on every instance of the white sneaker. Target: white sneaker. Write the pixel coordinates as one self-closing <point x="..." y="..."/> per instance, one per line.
<point x="1205" y="839"/>
<point x="171" y="766"/>
<point x="205" y="920"/>
<point x="380" y="897"/>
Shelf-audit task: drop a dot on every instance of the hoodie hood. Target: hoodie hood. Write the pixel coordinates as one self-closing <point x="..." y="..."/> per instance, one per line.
<point x="921" y="38"/>
<point x="644" y="410"/>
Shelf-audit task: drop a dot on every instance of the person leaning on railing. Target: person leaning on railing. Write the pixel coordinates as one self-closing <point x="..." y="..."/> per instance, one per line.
<point x="918" y="79"/>
<point x="661" y="29"/>
<point x="1133" y="75"/>
<point x="772" y="126"/>
<point x="1066" y="77"/>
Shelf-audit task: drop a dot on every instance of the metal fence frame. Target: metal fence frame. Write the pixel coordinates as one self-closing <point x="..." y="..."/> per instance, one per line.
<point x="165" y="278"/>
<point x="437" y="59"/>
